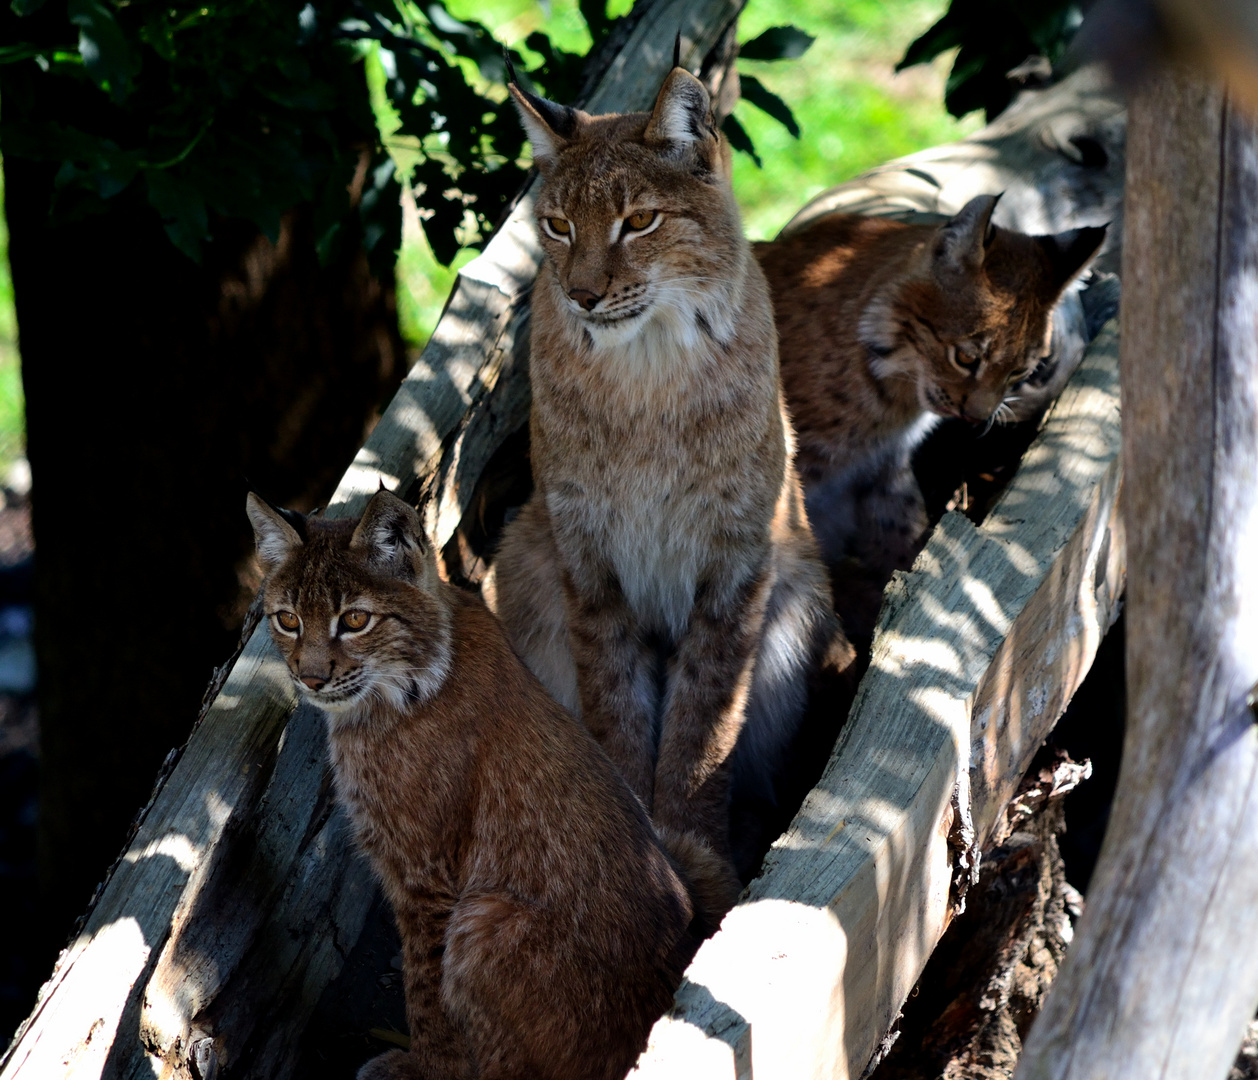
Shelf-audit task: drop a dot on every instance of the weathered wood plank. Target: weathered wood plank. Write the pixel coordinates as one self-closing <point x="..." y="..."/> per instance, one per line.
<point x="1057" y="154"/>
<point x="239" y="895"/>
<point x="978" y="650"/>
<point x="1162" y="977"/>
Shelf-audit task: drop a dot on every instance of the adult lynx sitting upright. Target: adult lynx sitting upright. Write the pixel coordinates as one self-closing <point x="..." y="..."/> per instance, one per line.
<point x="662" y="581"/>
<point x="544" y="923"/>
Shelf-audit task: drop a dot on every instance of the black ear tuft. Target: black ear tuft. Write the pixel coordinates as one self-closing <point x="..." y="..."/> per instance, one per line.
<point x="677" y="50"/>
<point x="506" y="59"/>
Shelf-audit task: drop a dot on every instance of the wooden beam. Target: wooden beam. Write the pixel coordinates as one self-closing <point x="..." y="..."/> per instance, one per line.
<point x="239" y="896"/>
<point x="978" y="650"/>
<point x="1163" y="977"/>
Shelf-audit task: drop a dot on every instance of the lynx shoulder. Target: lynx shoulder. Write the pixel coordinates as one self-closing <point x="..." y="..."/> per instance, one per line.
<point x="544" y="926"/>
<point x="884" y="328"/>
<point x="662" y="581"/>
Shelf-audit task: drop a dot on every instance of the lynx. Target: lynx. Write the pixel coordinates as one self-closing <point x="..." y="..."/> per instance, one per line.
<point x="661" y="581"/>
<point x="544" y="926"/>
<point x="885" y="327"/>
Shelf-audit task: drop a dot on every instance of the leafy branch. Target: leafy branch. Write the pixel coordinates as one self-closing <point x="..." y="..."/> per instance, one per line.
<point x="776" y="43"/>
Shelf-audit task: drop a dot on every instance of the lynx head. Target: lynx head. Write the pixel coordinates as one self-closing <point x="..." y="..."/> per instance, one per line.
<point x="636" y="214"/>
<point x="975" y="320"/>
<point x="353" y="605"/>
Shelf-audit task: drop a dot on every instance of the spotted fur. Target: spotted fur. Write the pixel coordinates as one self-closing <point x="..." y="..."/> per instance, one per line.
<point x="544" y="926"/>
<point x="884" y="328"/>
<point x="665" y="543"/>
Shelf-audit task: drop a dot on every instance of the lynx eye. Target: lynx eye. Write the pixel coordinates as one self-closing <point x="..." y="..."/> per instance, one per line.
<point x="287" y="621"/>
<point x="353" y="621"/>
<point x="641" y="220"/>
<point x="962" y="360"/>
<point x="558" y="227"/>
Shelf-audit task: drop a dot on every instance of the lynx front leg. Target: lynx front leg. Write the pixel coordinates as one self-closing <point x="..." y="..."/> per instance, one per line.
<point x="704" y="709"/>
<point x="615" y="678"/>
<point x="439" y="1049"/>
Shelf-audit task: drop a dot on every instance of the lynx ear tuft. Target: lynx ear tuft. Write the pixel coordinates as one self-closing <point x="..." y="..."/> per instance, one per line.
<point x="276" y="532"/>
<point x="549" y="127"/>
<point x="1071" y="252"/>
<point x="390" y="533"/>
<point x="681" y="121"/>
<point x="963" y="241"/>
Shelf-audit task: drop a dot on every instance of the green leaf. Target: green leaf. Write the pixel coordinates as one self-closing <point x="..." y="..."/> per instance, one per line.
<point x="26" y="7"/>
<point x="11" y="54"/>
<point x="183" y="211"/>
<point x="104" y="48"/>
<point x="754" y="91"/>
<point x="777" y="43"/>
<point x="740" y="140"/>
<point x="941" y="37"/>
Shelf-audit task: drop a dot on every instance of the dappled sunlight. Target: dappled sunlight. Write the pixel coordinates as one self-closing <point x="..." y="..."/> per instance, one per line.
<point x="94" y="980"/>
<point x="174" y="846"/>
<point x="978" y="650"/>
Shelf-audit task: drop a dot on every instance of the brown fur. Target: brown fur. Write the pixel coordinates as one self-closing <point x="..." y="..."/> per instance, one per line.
<point x="543" y="925"/>
<point x="665" y="542"/>
<point x="875" y="319"/>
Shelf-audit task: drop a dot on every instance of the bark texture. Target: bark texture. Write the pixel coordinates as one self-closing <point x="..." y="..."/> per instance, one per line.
<point x="1159" y="982"/>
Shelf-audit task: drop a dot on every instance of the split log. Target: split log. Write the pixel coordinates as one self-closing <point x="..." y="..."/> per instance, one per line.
<point x="1162" y="978"/>
<point x="978" y="650"/>
<point x="239" y="895"/>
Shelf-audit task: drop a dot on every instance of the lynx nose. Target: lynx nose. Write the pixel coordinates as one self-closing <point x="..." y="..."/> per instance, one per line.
<point x="314" y="682"/>
<point x="585" y="298"/>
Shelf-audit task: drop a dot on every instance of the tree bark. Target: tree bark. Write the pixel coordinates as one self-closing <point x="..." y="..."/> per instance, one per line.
<point x="1162" y="977"/>
<point x="154" y="386"/>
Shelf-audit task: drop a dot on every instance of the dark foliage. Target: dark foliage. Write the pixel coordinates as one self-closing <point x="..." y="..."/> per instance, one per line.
<point x="245" y="109"/>
<point x="994" y="37"/>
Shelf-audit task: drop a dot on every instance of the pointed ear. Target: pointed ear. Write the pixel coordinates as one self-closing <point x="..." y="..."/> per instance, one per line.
<point x="1070" y="252"/>
<point x="275" y="531"/>
<point x="681" y="122"/>
<point x="549" y="127"/>
<point x="962" y="242"/>
<point x="390" y="534"/>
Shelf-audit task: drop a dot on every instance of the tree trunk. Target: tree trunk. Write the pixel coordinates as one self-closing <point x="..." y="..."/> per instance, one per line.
<point x="154" y="386"/>
<point x="1163" y="976"/>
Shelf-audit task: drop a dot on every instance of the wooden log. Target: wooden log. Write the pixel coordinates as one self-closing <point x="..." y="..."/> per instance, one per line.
<point x="1162" y="978"/>
<point x="239" y="895"/>
<point x="1057" y="154"/>
<point x="978" y="650"/>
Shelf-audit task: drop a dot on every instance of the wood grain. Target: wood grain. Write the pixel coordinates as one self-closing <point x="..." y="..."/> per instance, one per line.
<point x="979" y="648"/>
<point x="239" y="895"/>
<point x="1162" y="979"/>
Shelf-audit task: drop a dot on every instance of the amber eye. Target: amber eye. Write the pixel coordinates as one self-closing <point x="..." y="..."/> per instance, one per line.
<point x="287" y="620"/>
<point x="559" y="226"/>
<point x="354" y="620"/>
<point x="639" y="221"/>
<point x="962" y="360"/>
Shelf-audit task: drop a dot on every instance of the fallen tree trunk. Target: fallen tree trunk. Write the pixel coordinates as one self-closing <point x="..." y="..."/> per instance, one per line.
<point x="1163" y="977"/>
